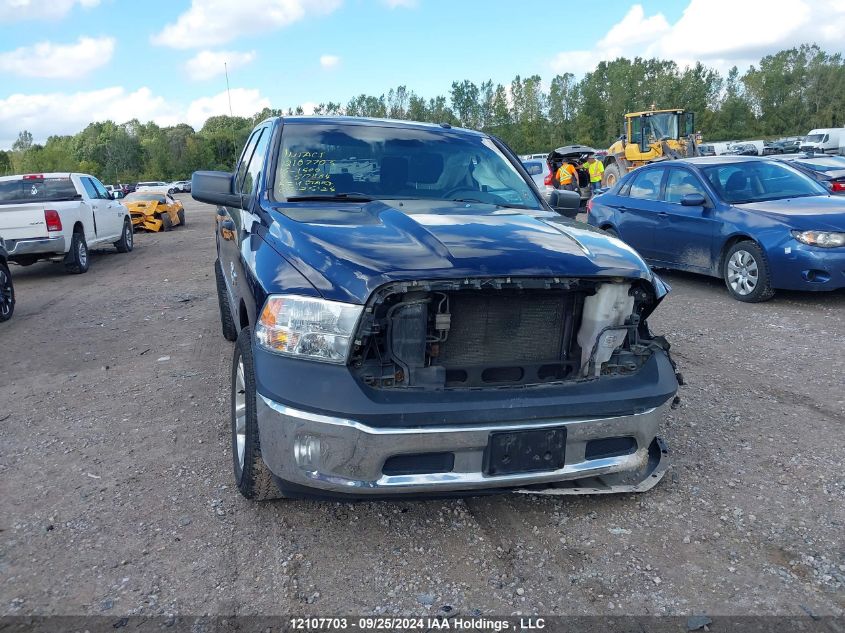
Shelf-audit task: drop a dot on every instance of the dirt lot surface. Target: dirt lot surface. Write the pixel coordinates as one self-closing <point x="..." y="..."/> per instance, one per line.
<point x="117" y="494"/>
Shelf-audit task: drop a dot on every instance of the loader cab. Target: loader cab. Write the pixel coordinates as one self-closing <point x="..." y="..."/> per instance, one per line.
<point x="651" y="133"/>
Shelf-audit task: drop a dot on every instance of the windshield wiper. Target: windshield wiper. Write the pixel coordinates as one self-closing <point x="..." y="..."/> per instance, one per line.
<point x="332" y="197"/>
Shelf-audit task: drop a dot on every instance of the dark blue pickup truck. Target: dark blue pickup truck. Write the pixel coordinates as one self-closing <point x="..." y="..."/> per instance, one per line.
<point x="412" y="317"/>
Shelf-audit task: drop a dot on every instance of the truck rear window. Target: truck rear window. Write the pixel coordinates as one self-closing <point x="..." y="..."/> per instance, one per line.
<point x="22" y="190"/>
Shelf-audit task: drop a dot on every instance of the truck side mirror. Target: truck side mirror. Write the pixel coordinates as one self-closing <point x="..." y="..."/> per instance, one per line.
<point x="214" y="187"/>
<point x="565" y="202"/>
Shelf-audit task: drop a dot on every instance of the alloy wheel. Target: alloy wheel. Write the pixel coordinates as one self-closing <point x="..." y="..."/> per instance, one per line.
<point x="82" y="251"/>
<point x="240" y="413"/>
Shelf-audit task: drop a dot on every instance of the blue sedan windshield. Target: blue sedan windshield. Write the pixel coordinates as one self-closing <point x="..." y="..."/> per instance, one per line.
<point x="758" y="181"/>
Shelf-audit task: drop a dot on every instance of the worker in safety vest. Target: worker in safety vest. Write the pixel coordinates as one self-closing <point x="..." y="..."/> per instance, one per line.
<point x="596" y="169"/>
<point x="568" y="177"/>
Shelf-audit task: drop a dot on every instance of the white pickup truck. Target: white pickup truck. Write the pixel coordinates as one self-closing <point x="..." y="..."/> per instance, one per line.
<point x="58" y="217"/>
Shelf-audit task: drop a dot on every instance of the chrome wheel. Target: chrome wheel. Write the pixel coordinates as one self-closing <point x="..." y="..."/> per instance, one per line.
<point x="743" y="273"/>
<point x="82" y="251"/>
<point x="240" y="413"/>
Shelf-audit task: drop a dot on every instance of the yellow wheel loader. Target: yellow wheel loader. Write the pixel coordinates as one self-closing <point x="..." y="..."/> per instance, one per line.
<point x="649" y="137"/>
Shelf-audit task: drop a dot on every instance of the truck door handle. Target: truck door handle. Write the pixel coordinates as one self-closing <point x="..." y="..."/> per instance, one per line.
<point x="623" y="209"/>
<point x="662" y="215"/>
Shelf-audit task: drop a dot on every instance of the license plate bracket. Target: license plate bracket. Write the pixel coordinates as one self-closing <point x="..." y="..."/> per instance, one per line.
<point x="535" y="450"/>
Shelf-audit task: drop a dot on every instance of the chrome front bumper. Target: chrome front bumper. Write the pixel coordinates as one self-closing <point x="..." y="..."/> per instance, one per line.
<point x="336" y="455"/>
<point x="36" y="246"/>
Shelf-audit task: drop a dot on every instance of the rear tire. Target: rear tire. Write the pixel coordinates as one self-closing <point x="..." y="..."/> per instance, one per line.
<point x="612" y="174"/>
<point x="166" y="222"/>
<point x="181" y="214"/>
<point x="252" y="477"/>
<point x="7" y="293"/>
<point x="746" y="273"/>
<point x="127" y="238"/>
<point x="77" y="260"/>
<point x="230" y="332"/>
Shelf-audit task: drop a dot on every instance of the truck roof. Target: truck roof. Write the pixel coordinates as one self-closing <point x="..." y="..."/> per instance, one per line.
<point x="54" y="174"/>
<point x="355" y="120"/>
<point x="633" y="114"/>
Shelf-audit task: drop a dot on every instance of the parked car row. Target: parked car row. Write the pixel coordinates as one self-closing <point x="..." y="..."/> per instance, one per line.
<point x="59" y="216"/>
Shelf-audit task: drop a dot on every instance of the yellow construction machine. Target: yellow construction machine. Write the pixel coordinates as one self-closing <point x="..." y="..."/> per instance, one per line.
<point x="649" y="137"/>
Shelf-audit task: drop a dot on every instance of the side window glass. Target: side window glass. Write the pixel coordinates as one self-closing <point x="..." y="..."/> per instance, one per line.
<point x="250" y="148"/>
<point x="681" y="183"/>
<point x="635" y="130"/>
<point x="646" y="185"/>
<point x="101" y="190"/>
<point x="255" y="164"/>
<point x="90" y="190"/>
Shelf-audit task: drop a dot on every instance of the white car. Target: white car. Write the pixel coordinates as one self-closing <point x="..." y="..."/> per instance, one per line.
<point x="58" y="217"/>
<point x="157" y="186"/>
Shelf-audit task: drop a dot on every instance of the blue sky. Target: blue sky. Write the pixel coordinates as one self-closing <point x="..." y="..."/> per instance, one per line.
<point x="64" y="63"/>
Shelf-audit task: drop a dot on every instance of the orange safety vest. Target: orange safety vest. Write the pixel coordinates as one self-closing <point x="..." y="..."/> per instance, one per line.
<point x="596" y="169"/>
<point x="566" y="173"/>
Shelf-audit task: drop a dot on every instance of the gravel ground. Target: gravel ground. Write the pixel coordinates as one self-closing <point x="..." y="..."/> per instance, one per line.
<point x="117" y="494"/>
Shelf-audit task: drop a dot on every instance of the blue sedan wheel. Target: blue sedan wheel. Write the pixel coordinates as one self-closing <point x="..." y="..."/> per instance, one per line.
<point x="747" y="273"/>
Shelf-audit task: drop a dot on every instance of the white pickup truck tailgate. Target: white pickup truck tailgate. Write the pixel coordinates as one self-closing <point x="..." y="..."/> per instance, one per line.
<point x="22" y="221"/>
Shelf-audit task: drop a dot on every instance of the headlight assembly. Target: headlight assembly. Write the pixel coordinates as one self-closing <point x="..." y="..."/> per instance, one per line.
<point x="824" y="239"/>
<point x="309" y="328"/>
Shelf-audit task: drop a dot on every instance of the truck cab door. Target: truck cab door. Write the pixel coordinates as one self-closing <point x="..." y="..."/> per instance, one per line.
<point x="234" y="224"/>
<point x="110" y="220"/>
<point x="94" y="220"/>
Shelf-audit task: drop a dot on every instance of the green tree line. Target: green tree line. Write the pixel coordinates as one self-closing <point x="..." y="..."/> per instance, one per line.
<point x="787" y="93"/>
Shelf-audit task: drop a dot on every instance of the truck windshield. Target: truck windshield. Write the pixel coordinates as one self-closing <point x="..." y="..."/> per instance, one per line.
<point x="334" y="160"/>
<point x="20" y="190"/>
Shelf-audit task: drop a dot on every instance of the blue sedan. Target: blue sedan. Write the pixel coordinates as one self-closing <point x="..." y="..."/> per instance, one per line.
<point x="757" y="223"/>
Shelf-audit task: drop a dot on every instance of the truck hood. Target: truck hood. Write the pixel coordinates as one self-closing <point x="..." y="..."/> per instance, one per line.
<point x="805" y="214"/>
<point x="347" y="250"/>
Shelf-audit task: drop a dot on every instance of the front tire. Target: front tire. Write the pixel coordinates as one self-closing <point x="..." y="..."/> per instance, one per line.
<point x="77" y="259"/>
<point x="181" y="215"/>
<point x="166" y="222"/>
<point x="7" y="293"/>
<point x="746" y="273"/>
<point x="127" y="238"/>
<point x="252" y="477"/>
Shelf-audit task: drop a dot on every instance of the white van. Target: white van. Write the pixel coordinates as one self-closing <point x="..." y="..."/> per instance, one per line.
<point x="826" y="140"/>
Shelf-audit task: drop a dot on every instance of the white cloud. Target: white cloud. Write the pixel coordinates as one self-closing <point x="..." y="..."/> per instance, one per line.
<point x="57" y="61"/>
<point x="718" y="33"/>
<point x="405" y="4"/>
<point x="245" y="102"/>
<point x="67" y="113"/>
<point x="17" y="10"/>
<point x="210" y="22"/>
<point x="208" y="64"/>
<point x="329" y="61"/>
